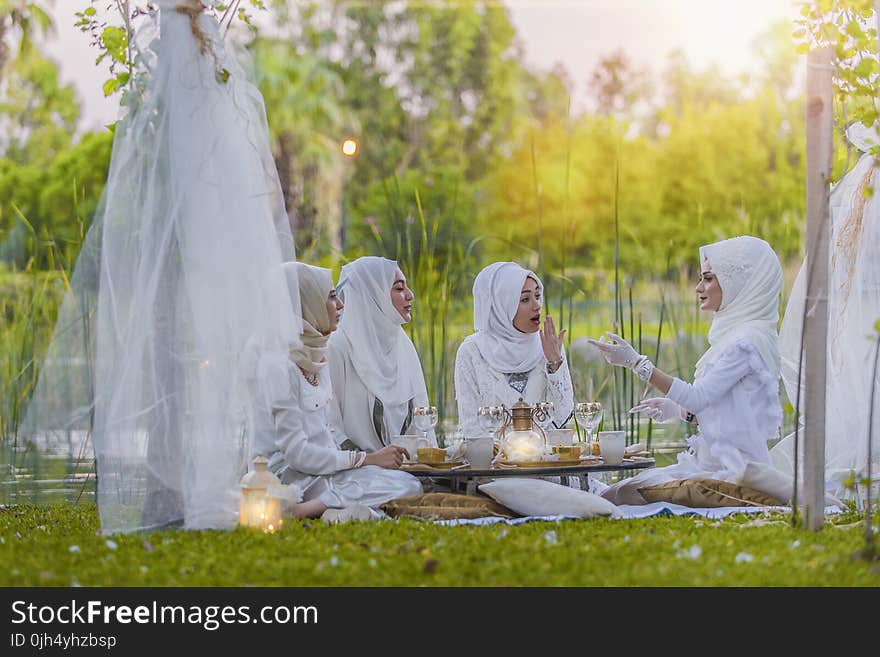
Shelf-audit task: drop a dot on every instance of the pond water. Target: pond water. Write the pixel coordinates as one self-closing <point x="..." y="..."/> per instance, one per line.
<point x="60" y="471"/>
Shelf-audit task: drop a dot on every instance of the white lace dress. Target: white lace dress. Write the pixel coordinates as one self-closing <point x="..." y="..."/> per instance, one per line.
<point x="478" y="384"/>
<point x="303" y="450"/>
<point x="736" y="418"/>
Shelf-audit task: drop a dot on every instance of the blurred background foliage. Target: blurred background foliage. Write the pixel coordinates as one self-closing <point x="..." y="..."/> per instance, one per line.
<point x="466" y="156"/>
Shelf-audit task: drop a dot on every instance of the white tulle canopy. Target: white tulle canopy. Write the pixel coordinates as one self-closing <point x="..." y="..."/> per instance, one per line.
<point x="853" y="310"/>
<point x="179" y="292"/>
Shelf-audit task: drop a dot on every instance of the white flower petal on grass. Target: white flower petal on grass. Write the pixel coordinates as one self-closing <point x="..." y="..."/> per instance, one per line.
<point x="73" y="549"/>
<point x="695" y="552"/>
<point x="743" y="557"/>
<point x="502" y="533"/>
<point x="551" y="537"/>
<point x="334" y="561"/>
<point x="111" y="545"/>
<point x="795" y="544"/>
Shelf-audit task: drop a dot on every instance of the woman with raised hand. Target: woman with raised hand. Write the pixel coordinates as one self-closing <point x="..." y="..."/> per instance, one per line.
<point x="734" y="398"/>
<point x="375" y="369"/>
<point x="510" y="355"/>
<point x="303" y="448"/>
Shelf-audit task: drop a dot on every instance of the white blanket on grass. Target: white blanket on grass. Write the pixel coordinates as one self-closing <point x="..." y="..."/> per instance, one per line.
<point x="641" y="511"/>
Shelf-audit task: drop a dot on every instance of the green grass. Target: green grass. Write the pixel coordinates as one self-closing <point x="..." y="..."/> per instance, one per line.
<point x="36" y="543"/>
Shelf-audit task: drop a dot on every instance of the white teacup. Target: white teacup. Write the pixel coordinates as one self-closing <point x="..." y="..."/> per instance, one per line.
<point x="478" y="451"/>
<point x="560" y="436"/>
<point x="411" y="444"/>
<point x="612" y="445"/>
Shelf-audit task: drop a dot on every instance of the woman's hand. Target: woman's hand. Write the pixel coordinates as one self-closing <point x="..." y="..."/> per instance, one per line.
<point x="619" y="352"/>
<point x="390" y="457"/>
<point x="659" y="409"/>
<point x="552" y="343"/>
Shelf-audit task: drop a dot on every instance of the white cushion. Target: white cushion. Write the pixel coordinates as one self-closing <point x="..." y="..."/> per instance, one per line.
<point x="536" y="497"/>
<point x="768" y="479"/>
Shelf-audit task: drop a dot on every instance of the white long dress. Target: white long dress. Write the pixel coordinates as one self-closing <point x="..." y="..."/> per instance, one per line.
<point x="353" y="410"/>
<point x="303" y="451"/>
<point x="478" y="384"/>
<point x="736" y="419"/>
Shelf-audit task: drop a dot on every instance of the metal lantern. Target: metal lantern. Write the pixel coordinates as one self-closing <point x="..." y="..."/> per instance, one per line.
<point x="260" y="497"/>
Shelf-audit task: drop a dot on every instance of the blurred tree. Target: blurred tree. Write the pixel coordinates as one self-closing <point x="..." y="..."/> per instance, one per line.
<point x="20" y="20"/>
<point x="618" y="87"/>
<point x="307" y="123"/>
<point x="38" y="114"/>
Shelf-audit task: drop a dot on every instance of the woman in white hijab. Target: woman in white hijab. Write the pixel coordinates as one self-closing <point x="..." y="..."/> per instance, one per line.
<point x="303" y="449"/>
<point x="375" y="369"/>
<point x="735" y="395"/>
<point x="510" y="356"/>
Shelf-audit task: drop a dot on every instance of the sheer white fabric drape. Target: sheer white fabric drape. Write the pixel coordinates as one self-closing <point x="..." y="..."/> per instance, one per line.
<point x="178" y="296"/>
<point x="853" y="310"/>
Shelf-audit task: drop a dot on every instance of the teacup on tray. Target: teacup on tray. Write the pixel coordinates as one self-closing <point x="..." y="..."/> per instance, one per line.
<point x="567" y="451"/>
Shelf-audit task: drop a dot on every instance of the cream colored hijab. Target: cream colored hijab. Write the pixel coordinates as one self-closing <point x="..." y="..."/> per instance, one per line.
<point x="315" y="284"/>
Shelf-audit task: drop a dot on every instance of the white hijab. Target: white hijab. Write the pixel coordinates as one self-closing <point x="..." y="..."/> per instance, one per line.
<point x="382" y="354"/>
<point x="315" y="284"/>
<point x="497" y="291"/>
<point x="750" y="277"/>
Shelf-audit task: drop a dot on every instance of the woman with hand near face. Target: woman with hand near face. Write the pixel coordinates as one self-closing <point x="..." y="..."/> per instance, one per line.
<point x="734" y="398"/>
<point x="303" y="448"/>
<point x="510" y="355"/>
<point x="375" y="369"/>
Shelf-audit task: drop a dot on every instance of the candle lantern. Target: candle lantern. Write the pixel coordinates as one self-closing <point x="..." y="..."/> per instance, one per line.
<point x="261" y="495"/>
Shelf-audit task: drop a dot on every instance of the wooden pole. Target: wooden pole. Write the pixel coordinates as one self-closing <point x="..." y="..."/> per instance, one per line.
<point x="819" y="153"/>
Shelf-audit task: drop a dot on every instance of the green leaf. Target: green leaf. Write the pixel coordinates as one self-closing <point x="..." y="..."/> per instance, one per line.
<point x="110" y="86"/>
<point x="89" y="12"/>
<point x="222" y="76"/>
<point x="115" y="41"/>
<point x="866" y="68"/>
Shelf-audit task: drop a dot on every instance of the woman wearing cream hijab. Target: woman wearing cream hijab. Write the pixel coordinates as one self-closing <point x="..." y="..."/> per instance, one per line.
<point x="376" y="372"/>
<point x="303" y="449"/>
<point x="734" y="398"/>
<point x="509" y="356"/>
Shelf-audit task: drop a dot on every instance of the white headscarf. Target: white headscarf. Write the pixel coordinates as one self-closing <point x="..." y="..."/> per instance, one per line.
<point x="315" y="284"/>
<point x="497" y="291"/>
<point x="382" y="353"/>
<point x="750" y="277"/>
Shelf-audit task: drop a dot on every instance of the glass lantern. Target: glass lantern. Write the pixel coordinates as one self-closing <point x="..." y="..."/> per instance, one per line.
<point x="524" y="441"/>
<point x="260" y="497"/>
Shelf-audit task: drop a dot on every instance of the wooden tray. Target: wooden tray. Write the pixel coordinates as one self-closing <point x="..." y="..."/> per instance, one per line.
<point x="540" y="464"/>
<point x="432" y="465"/>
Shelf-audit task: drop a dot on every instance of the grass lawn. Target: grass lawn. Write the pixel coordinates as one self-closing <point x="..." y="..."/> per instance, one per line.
<point x="58" y="545"/>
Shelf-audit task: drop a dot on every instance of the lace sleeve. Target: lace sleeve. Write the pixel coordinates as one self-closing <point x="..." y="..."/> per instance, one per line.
<point x="560" y="391"/>
<point x="467" y="391"/>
